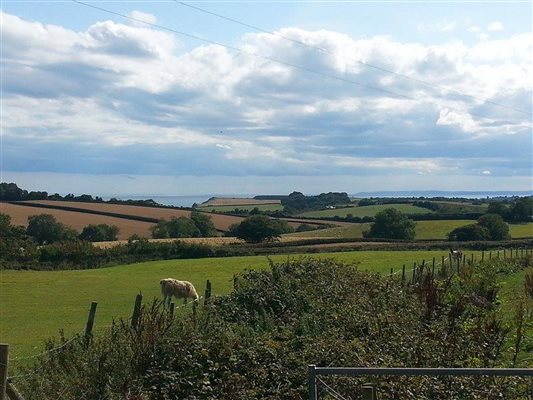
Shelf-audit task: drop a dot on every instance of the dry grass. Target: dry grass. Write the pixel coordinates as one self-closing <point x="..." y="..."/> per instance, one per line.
<point x="77" y="220"/>
<point x="234" y="201"/>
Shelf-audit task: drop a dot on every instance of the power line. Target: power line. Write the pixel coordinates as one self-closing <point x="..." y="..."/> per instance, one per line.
<point x="295" y="66"/>
<point x="324" y="50"/>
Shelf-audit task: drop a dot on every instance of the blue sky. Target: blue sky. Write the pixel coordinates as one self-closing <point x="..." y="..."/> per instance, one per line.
<point x="92" y="102"/>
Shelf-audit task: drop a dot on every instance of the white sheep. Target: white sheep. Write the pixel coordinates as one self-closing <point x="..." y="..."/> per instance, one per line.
<point x="179" y="289"/>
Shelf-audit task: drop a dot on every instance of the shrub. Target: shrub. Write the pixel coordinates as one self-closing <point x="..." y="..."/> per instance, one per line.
<point x="496" y="226"/>
<point x="391" y="224"/>
<point x="99" y="233"/>
<point x="469" y="233"/>
<point x="44" y="228"/>
<point x="259" y="228"/>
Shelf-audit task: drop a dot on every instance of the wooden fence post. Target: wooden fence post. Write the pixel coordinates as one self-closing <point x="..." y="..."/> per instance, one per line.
<point x="482" y="255"/>
<point x="90" y="322"/>
<point x="207" y="291"/>
<point x="4" y="353"/>
<point x="464" y="260"/>
<point x="172" y="306"/>
<point x="443" y="266"/>
<point x="433" y="267"/>
<point x="504" y="254"/>
<point x="414" y="272"/>
<point x="472" y="258"/>
<point x="136" y="311"/>
<point x="390" y="273"/>
<point x="403" y="274"/>
<point x="490" y="255"/>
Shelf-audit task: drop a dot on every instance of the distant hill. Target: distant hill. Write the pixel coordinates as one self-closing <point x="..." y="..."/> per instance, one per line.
<point x="442" y="193"/>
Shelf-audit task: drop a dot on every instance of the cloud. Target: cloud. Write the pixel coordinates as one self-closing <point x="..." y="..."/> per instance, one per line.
<point x="495" y="26"/>
<point x="138" y="17"/>
<point x="126" y="98"/>
<point x="486" y="172"/>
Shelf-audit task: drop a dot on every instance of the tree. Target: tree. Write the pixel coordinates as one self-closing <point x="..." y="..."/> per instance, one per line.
<point x="99" y="233"/>
<point x="391" y="224"/>
<point x="45" y="229"/>
<point x="468" y="233"/>
<point x="204" y="224"/>
<point x="258" y="228"/>
<point x="160" y="230"/>
<point x="498" y="229"/>
<point x="181" y="227"/>
<point x="498" y="207"/>
<point x="7" y="230"/>
<point x="521" y="210"/>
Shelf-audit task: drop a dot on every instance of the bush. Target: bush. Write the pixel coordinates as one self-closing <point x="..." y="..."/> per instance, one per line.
<point x="496" y="226"/>
<point x="470" y="232"/>
<point x="391" y="224"/>
<point x="99" y="233"/>
<point x="44" y="228"/>
<point x="259" y="228"/>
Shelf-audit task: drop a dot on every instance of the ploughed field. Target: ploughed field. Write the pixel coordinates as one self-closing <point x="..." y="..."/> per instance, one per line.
<point x="61" y="299"/>
<point x="77" y="220"/>
<point x="236" y="202"/>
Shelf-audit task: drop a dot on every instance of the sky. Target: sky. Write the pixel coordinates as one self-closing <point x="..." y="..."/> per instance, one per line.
<point x="172" y="98"/>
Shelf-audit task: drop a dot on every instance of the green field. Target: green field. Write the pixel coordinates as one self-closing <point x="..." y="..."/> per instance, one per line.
<point x="365" y="211"/>
<point x="36" y="304"/>
<point x="247" y="207"/>
<point x="424" y="230"/>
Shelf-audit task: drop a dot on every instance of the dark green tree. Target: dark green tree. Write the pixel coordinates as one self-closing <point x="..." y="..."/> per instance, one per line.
<point x="521" y="210"/>
<point x="99" y="233"/>
<point x="258" y="228"/>
<point x="469" y="233"/>
<point x="391" y="224"/>
<point x="44" y="228"/>
<point x="160" y="230"/>
<point x="204" y="224"/>
<point x="498" y="229"/>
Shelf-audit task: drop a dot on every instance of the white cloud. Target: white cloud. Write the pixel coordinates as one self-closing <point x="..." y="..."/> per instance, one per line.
<point x="495" y="26"/>
<point x="486" y="172"/>
<point x="139" y="17"/>
<point x="120" y="85"/>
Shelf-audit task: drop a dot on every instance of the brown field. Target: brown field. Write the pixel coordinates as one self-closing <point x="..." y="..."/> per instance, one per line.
<point x="222" y="222"/>
<point x="77" y="220"/>
<point x="213" y="241"/>
<point x="234" y="201"/>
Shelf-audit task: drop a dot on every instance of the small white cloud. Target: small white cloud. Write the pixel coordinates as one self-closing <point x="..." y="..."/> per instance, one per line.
<point x="486" y="172"/>
<point x="495" y="26"/>
<point x="474" y="29"/>
<point x="139" y="16"/>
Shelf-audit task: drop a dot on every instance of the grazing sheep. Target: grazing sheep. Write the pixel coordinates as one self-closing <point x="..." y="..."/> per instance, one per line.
<point x="179" y="289"/>
<point x="456" y="254"/>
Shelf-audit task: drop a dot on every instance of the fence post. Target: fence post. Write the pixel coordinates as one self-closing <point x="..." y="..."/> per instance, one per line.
<point x="443" y="266"/>
<point x="207" y="291"/>
<point x="90" y="322"/>
<point x="414" y="272"/>
<point x="403" y="274"/>
<point x="136" y="311"/>
<point x="369" y="392"/>
<point x="490" y="255"/>
<point x="464" y="260"/>
<point x="504" y="252"/>
<point x="172" y="306"/>
<point x="390" y="273"/>
<point x="482" y="255"/>
<point x="472" y="258"/>
<point x="451" y="263"/>
<point x="458" y="265"/>
<point x="4" y="352"/>
<point x="311" y="383"/>
<point x="433" y="267"/>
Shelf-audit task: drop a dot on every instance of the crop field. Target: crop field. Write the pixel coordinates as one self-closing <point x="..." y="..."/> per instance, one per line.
<point x="365" y="211"/>
<point x="61" y="299"/>
<point x="76" y="220"/>
<point x="424" y="230"/>
<point x="247" y="207"/>
<point x="236" y="201"/>
<point x="222" y="222"/>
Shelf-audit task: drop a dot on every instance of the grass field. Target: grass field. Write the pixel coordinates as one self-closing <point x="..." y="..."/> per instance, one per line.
<point x="365" y="211"/>
<point x="424" y="230"/>
<point x="247" y="207"/>
<point x="61" y="299"/>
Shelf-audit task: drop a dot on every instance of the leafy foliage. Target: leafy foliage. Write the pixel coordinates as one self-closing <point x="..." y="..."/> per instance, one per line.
<point x="258" y="228"/>
<point x="44" y="228"/>
<point x="391" y="224"/>
<point x="468" y="233"/>
<point x="488" y="227"/>
<point x="99" y="233"/>
<point x="199" y="225"/>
